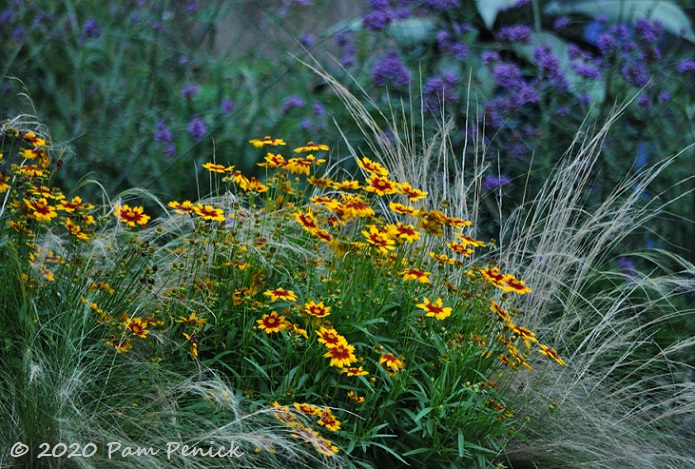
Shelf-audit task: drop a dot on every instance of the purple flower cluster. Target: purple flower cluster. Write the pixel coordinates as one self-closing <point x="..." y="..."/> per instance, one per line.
<point x="226" y="106"/>
<point x="648" y="31"/>
<point x="189" y="91"/>
<point x="441" y="5"/>
<point x="197" y="128"/>
<point x="493" y="182"/>
<point x="343" y="39"/>
<point x="518" y="32"/>
<point x="507" y="74"/>
<point x="391" y="71"/>
<point x="292" y="102"/>
<point x="549" y="66"/>
<point x="163" y="136"/>
<point x="440" y="90"/>
<point x="383" y="13"/>
<point x="458" y="50"/>
<point x="90" y="30"/>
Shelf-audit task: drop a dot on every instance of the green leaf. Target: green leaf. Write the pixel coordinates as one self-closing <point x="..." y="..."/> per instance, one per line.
<point x="488" y="9"/>
<point x="411" y="31"/>
<point x="670" y="15"/>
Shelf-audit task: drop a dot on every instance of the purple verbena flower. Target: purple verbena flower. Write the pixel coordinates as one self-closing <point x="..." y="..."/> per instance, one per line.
<point x="90" y="30"/>
<point x="635" y="74"/>
<point x="489" y="56"/>
<point x="162" y="134"/>
<point x="18" y="33"/>
<point x="626" y="266"/>
<point x="491" y="182"/>
<point x="664" y="96"/>
<point x="318" y="109"/>
<point x="170" y="150"/>
<point x="6" y="17"/>
<point x="307" y="40"/>
<point x="377" y="20"/>
<point x="606" y="43"/>
<point x="226" y="106"/>
<point x="514" y="33"/>
<point x="189" y="91"/>
<point x="292" y="102"/>
<point x="440" y="90"/>
<point x="306" y="124"/>
<point x="644" y="103"/>
<point x="507" y="74"/>
<point x="441" y="5"/>
<point x="648" y="31"/>
<point x="550" y="67"/>
<point x="561" y="22"/>
<point x="586" y="70"/>
<point x="686" y="66"/>
<point x="390" y="71"/>
<point x="197" y="128"/>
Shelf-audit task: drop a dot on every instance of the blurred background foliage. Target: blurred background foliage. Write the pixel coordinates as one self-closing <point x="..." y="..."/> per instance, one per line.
<point x="145" y="91"/>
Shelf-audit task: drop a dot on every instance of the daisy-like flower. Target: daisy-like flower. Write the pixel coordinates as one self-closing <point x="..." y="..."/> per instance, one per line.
<point x="511" y="284"/>
<point x="46" y="192"/>
<point x="192" y="320"/>
<point x="391" y="361"/>
<point x="4" y="186"/>
<point x="193" y="339"/>
<point x="185" y="207"/>
<point x="330" y="337"/>
<point x="435" y="310"/>
<point x="307" y="220"/>
<point x="30" y="171"/>
<point x="272" y="323"/>
<point x="354" y="397"/>
<point x="208" y="212"/>
<point x="456" y="222"/>
<point x="273" y="161"/>
<point x="280" y="294"/>
<point x="307" y="409"/>
<point x="548" y="352"/>
<point x="356" y="207"/>
<point x="403" y="209"/>
<point x="410" y="192"/>
<point x="311" y="147"/>
<point x="238" y="178"/>
<point x="266" y="141"/>
<point x="328" y="420"/>
<point x="41" y="210"/>
<point x="73" y="206"/>
<point x="131" y="216"/>
<point x="381" y="239"/>
<point x="502" y="313"/>
<point x="526" y="335"/>
<point x="254" y="185"/>
<point x="469" y="241"/>
<point x="493" y="275"/>
<point x="346" y="185"/>
<point x="416" y="274"/>
<point x="380" y="185"/>
<point x="317" y="310"/>
<point x="406" y="232"/>
<point x="323" y="235"/>
<point x="320" y="182"/>
<point x="137" y="327"/>
<point x="76" y="230"/>
<point x="217" y="168"/>
<point x="341" y="355"/>
<point x="460" y="248"/>
<point x="302" y="165"/>
<point x="372" y="167"/>
<point x="354" y="371"/>
<point x="299" y="331"/>
<point x="122" y="345"/>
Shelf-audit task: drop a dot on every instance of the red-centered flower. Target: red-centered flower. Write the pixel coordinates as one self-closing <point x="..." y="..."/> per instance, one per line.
<point x="493" y="275"/>
<point x="266" y="141"/>
<point x="416" y="274"/>
<point x="122" y="345"/>
<point x="330" y="337"/>
<point x="317" y="310"/>
<point x="273" y="161"/>
<point x="460" y="248"/>
<point x="137" y="327"/>
<point x="341" y="355"/>
<point x="185" y="207"/>
<point x="548" y="352"/>
<point x="311" y="147"/>
<point x="280" y="294"/>
<point x="354" y="397"/>
<point x="441" y="258"/>
<point x="323" y="235"/>
<point x="356" y="206"/>
<point x="391" y="361"/>
<point x="41" y="210"/>
<point x="380" y="239"/>
<point x="307" y="409"/>
<point x="254" y="185"/>
<point x="346" y="185"/>
<point x="76" y="230"/>
<point x="131" y="216"/>
<point x="502" y="313"/>
<point x="403" y="209"/>
<point x="380" y="185"/>
<point x="410" y="192"/>
<point x="328" y="420"/>
<point x="208" y="212"/>
<point x="354" y="371"/>
<point x="307" y="220"/>
<point x="406" y="232"/>
<point x="372" y="167"/>
<point x="324" y="446"/>
<point x="435" y="310"/>
<point x="469" y="241"/>
<point x="272" y="323"/>
<point x="217" y="168"/>
<point x="511" y="284"/>
<point x="75" y="205"/>
<point x="526" y="335"/>
<point x="320" y="182"/>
